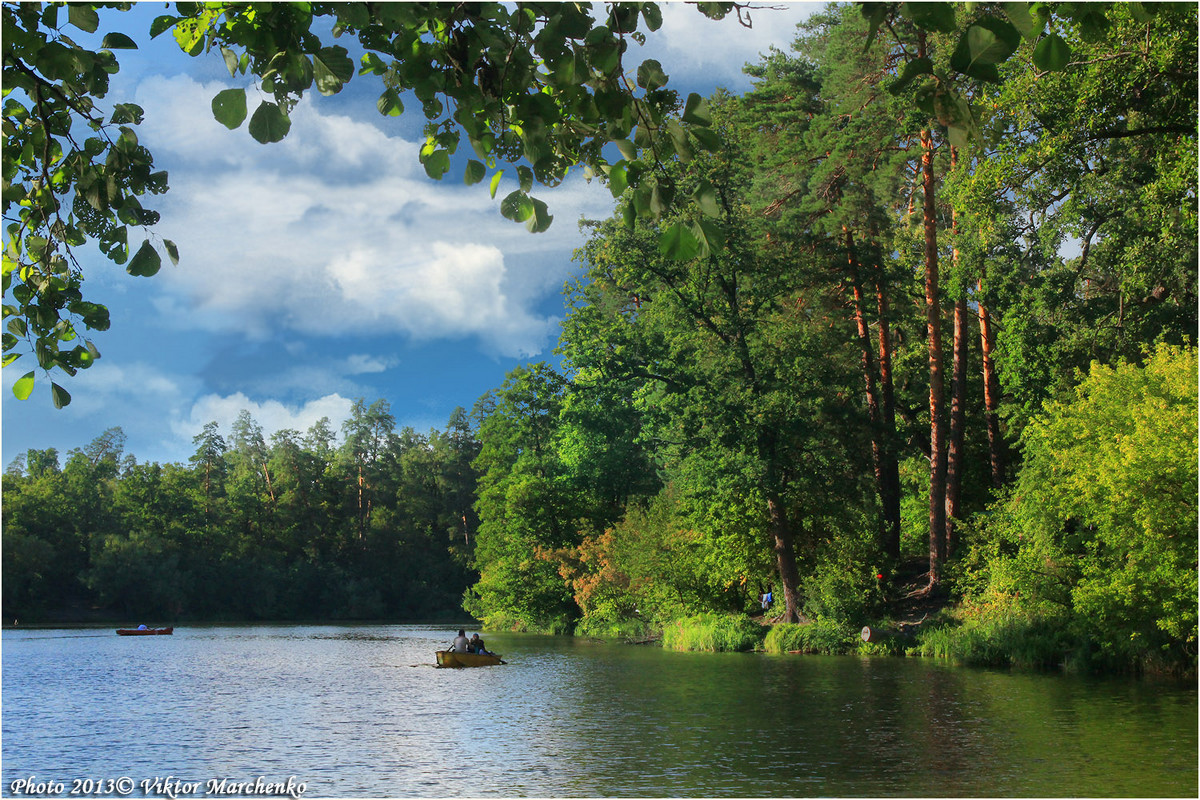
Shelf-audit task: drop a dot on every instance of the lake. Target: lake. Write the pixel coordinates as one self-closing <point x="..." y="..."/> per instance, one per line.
<point x="360" y="711"/>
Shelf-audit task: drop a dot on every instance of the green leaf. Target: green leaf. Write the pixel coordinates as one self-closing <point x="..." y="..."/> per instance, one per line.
<point x="476" y="170"/>
<point x="517" y="206"/>
<point x="652" y="15"/>
<point x="959" y="135"/>
<point x="541" y="219"/>
<point x="679" y="140"/>
<point x="1143" y="12"/>
<point x="145" y="262"/>
<point x="650" y="75"/>
<point x="1025" y="22"/>
<point x="62" y="397"/>
<point x="389" y="104"/>
<point x="918" y="66"/>
<point x="437" y="164"/>
<point x="525" y="178"/>
<point x="627" y="149"/>
<point x="708" y="139"/>
<point x="24" y="386"/>
<point x="172" y="251"/>
<point x="269" y="123"/>
<point x="229" y="107"/>
<point x="618" y="178"/>
<point x="696" y="111"/>
<point x="495" y="184"/>
<point x="332" y="67"/>
<point x="710" y="236"/>
<point x="983" y="45"/>
<point x="231" y="61"/>
<point x="930" y="16"/>
<point x="162" y="24"/>
<point x="707" y="199"/>
<point x="678" y="242"/>
<point x="84" y="17"/>
<point x="1052" y="53"/>
<point x="118" y="41"/>
<point x="874" y="13"/>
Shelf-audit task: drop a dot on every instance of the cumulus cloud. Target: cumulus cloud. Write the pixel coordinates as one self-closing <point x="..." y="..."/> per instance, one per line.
<point x="331" y="232"/>
<point x="271" y="415"/>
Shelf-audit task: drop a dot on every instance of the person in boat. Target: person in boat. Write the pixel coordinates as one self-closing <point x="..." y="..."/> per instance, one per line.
<point x="142" y="628"/>
<point x="477" y="645"/>
<point x="461" y="643"/>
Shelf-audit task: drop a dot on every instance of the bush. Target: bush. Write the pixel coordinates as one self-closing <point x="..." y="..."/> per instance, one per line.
<point x="713" y="633"/>
<point x="1091" y="559"/>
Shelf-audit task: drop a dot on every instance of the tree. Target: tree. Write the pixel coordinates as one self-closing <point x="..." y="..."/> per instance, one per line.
<point x="1102" y="520"/>
<point x="526" y="513"/>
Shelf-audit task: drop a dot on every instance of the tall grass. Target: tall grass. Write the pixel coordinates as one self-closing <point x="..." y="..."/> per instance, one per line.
<point x="1003" y="638"/>
<point x="712" y="633"/>
<point x="822" y="636"/>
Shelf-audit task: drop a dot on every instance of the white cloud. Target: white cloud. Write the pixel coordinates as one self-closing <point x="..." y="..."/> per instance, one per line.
<point x="689" y="43"/>
<point x="271" y="415"/>
<point x="361" y="364"/>
<point x="330" y="232"/>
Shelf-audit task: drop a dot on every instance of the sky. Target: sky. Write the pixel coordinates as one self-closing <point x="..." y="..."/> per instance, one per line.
<point x="327" y="267"/>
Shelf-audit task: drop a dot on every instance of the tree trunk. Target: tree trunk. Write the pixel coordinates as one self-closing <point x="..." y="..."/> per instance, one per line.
<point x="958" y="391"/>
<point x="785" y="557"/>
<point x="879" y="443"/>
<point x="991" y="391"/>
<point x="937" y="463"/>
<point x="955" y="455"/>
<point x="891" y="466"/>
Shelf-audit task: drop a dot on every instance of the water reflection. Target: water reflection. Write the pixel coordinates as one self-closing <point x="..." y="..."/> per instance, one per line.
<point x="360" y="711"/>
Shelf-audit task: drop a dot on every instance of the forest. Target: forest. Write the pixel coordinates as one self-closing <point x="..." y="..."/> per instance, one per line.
<point x="372" y="524"/>
<point x="903" y="342"/>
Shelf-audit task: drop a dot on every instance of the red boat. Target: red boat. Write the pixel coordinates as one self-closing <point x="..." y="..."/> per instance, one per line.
<point x="145" y="631"/>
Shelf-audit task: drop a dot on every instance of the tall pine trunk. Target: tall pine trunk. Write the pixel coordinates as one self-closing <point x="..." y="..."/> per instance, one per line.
<point x="891" y="472"/>
<point x="991" y="391"/>
<point x="955" y="455"/>
<point x="880" y="436"/>
<point x="937" y="447"/>
<point x="958" y="392"/>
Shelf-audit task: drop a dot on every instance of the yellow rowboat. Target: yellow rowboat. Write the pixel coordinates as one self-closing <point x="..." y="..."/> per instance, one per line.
<point x="449" y="658"/>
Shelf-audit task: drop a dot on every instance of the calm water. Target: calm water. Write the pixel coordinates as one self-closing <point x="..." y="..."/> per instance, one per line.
<point x="359" y="711"/>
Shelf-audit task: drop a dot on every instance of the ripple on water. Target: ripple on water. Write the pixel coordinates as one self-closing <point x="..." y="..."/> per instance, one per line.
<point x="359" y="711"/>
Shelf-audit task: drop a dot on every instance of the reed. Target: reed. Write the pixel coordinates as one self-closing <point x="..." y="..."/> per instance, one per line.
<point x="713" y="633"/>
<point x="821" y="636"/>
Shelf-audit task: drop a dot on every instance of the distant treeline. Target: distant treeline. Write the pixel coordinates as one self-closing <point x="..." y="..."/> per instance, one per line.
<point x="380" y="526"/>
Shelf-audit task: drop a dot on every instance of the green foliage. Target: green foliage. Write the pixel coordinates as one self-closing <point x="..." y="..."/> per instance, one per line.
<point x="841" y="587"/>
<point x="823" y="636"/>
<point x="71" y="175"/>
<point x="1101" y="525"/>
<point x="1004" y="634"/>
<point x="713" y="633"/>
<point x="291" y="529"/>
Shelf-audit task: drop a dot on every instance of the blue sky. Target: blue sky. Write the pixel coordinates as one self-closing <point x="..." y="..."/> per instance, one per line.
<point x="327" y="267"/>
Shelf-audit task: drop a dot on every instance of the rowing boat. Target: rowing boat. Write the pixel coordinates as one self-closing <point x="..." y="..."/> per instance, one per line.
<point x="145" y="631"/>
<point x="449" y="658"/>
